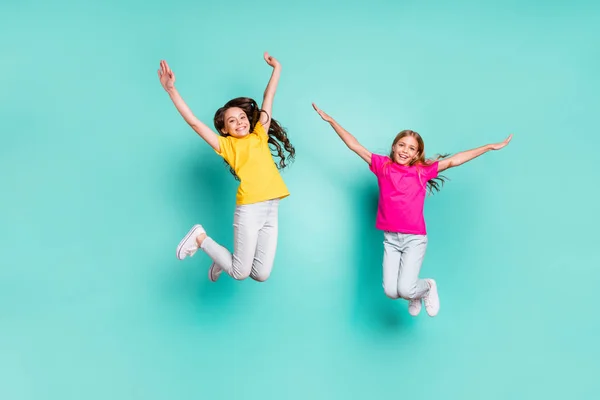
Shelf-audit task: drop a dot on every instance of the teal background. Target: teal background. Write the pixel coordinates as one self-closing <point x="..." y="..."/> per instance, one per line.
<point x="101" y="178"/>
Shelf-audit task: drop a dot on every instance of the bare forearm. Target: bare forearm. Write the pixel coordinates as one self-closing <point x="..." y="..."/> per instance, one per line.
<point x="272" y="85"/>
<point x="268" y="97"/>
<point x="182" y="107"/>
<point x="201" y="129"/>
<point x="468" y="155"/>
<point x="346" y="136"/>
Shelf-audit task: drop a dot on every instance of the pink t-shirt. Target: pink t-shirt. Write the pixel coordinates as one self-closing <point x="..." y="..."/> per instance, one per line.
<point x="402" y="191"/>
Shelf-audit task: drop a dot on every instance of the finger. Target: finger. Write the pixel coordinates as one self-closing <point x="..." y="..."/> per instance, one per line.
<point x="159" y="74"/>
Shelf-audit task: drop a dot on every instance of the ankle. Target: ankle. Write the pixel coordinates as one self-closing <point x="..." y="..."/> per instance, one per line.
<point x="200" y="238"/>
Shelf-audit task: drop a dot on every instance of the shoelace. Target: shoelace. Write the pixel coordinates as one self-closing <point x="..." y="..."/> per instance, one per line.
<point x="190" y="251"/>
<point x="426" y="300"/>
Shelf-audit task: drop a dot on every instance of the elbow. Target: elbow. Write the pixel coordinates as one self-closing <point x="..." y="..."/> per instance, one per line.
<point x="353" y="145"/>
<point x="453" y="162"/>
<point x="268" y="94"/>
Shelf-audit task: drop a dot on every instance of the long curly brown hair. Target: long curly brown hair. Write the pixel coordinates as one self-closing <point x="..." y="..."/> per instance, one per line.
<point x="278" y="138"/>
<point x="432" y="184"/>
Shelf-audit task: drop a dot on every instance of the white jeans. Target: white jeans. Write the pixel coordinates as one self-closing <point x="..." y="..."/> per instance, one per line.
<point x="402" y="259"/>
<point x="255" y="242"/>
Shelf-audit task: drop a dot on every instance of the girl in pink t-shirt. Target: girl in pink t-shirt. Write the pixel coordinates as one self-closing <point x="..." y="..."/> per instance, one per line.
<point x="404" y="177"/>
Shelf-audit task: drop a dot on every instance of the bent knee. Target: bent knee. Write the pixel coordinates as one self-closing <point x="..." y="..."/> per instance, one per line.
<point x="408" y="292"/>
<point x="261" y="277"/>
<point x="240" y="274"/>
<point x="390" y="292"/>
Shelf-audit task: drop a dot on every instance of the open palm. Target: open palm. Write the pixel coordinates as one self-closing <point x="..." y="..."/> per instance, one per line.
<point x="166" y="76"/>
<point x="498" y="146"/>
<point x="322" y="113"/>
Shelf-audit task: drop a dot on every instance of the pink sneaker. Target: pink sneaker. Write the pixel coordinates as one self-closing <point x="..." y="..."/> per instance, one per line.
<point x="432" y="300"/>
<point x="188" y="245"/>
<point x="414" y="307"/>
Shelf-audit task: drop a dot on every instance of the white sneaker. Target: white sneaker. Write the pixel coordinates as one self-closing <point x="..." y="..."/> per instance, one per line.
<point x="432" y="300"/>
<point x="414" y="307"/>
<point x="214" y="272"/>
<point x="188" y="245"/>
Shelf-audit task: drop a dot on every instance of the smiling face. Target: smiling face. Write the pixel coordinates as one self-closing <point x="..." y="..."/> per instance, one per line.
<point x="236" y="122"/>
<point x="405" y="150"/>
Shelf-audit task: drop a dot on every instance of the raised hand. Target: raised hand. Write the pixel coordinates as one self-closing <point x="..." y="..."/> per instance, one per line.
<point x="166" y="76"/>
<point x="272" y="61"/>
<point x="322" y="113"/>
<point x="498" y="146"/>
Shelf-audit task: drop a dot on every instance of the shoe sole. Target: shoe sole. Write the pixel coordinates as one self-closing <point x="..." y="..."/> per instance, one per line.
<point x="210" y="274"/>
<point x="180" y="246"/>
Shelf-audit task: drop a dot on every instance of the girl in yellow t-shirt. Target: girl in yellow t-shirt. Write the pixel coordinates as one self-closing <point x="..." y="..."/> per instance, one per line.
<point x="245" y="133"/>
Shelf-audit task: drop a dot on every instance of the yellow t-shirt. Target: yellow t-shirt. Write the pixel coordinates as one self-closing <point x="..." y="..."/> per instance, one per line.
<point x="251" y="159"/>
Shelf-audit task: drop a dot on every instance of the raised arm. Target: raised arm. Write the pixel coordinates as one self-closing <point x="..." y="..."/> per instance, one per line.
<point x="267" y="104"/>
<point x="346" y="137"/>
<point x="465" y="156"/>
<point x="167" y="80"/>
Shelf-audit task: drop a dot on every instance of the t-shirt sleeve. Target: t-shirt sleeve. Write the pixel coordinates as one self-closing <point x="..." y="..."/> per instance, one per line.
<point x="259" y="129"/>
<point x="431" y="171"/>
<point x="226" y="149"/>
<point x="377" y="162"/>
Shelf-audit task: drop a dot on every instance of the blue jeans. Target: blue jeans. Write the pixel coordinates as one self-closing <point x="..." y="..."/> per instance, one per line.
<point x="255" y="229"/>
<point x="403" y="256"/>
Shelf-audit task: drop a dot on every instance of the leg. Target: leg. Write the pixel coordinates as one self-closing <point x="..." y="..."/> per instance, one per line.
<point x="266" y="246"/>
<point x="410" y="287"/>
<point x="391" y="264"/>
<point x="246" y="224"/>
